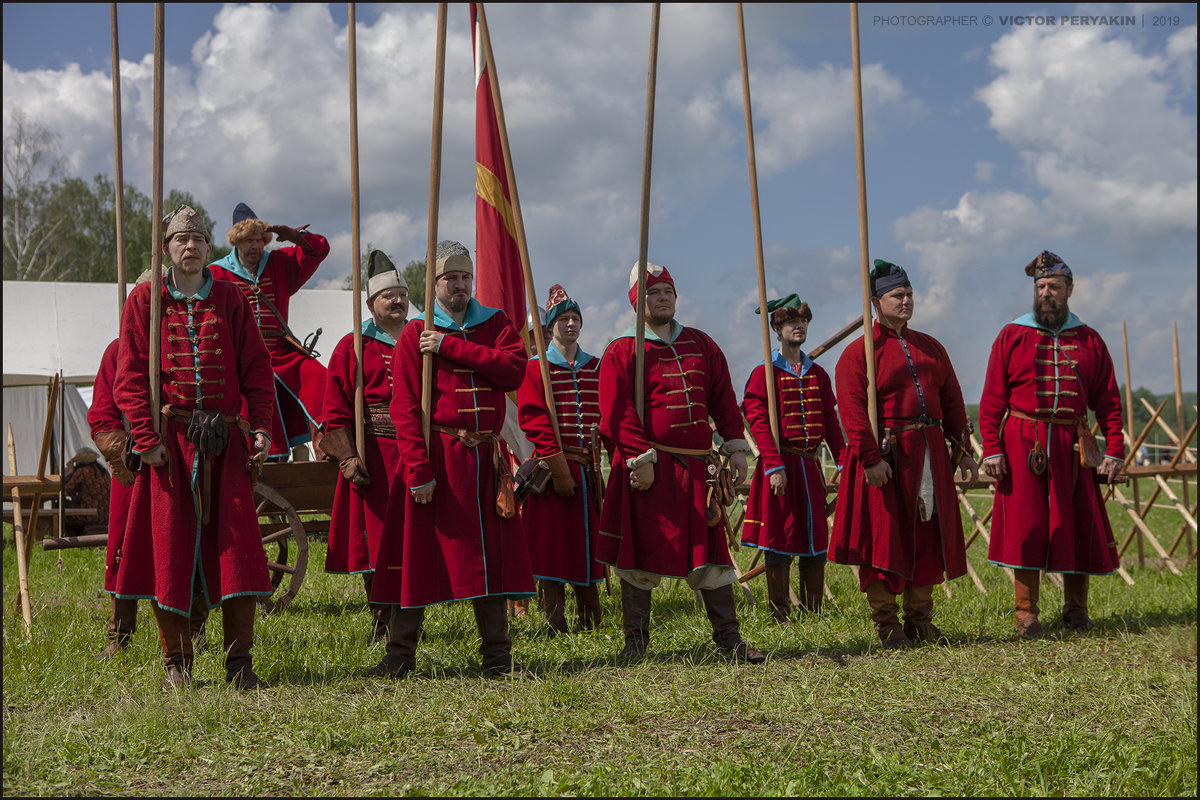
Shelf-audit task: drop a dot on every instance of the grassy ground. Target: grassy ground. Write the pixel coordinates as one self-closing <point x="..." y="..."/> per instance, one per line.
<point x="1112" y="712"/>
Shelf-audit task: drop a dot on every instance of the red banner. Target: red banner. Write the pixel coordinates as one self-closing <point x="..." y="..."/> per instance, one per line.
<point x="499" y="280"/>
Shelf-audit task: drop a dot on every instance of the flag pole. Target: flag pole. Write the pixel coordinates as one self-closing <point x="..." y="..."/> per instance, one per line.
<point x="356" y="266"/>
<point x="156" y="221"/>
<point x="518" y="221"/>
<point x="118" y="171"/>
<point x="639" y="357"/>
<point x="868" y="337"/>
<point x="769" y="374"/>
<point x="435" y="179"/>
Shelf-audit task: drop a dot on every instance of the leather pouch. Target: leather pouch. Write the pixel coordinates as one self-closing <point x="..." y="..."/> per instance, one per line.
<point x="1090" y="456"/>
<point x="1037" y="459"/>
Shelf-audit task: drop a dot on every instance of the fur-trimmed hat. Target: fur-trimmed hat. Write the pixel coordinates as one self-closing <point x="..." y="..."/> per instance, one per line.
<point x="654" y="274"/>
<point x="558" y="304"/>
<point x="787" y="308"/>
<point x="246" y="224"/>
<point x="184" y="219"/>
<point x="451" y="256"/>
<point x="1046" y="264"/>
<point x="886" y="276"/>
<point x="382" y="274"/>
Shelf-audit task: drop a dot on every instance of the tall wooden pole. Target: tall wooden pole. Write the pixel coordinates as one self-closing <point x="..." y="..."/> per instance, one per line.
<point x="639" y="357"/>
<point x="118" y="170"/>
<point x="1179" y="424"/>
<point x="1137" y="501"/>
<point x="435" y="182"/>
<point x="356" y="266"/>
<point x="518" y="221"/>
<point x="156" y="221"/>
<point x="863" y="246"/>
<point x="769" y="375"/>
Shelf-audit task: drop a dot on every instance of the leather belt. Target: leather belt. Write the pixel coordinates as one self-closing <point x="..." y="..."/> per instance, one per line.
<point x="680" y="451"/>
<point x="1012" y="412"/>
<point x="916" y="424"/>
<point x="467" y="437"/>
<point x="812" y="454"/>
<point x="578" y="455"/>
<point x="183" y="416"/>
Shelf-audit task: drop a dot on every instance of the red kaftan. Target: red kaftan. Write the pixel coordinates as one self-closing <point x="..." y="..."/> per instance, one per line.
<point x="879" y="528"/>
<point x="561" y="532"/>
<point x="357" y="520"/>
<point x="299" y="378"/>
<point x="793" y="524"/>
<point x="455" y="547"/>
<point x="663" y="530"/>
<point x="212" y="357"/>
<point x="1056" y="521"/>
<point x="103" y="415"/>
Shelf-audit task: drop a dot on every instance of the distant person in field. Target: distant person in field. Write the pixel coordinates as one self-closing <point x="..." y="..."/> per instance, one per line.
<point x="897" y="514"/>
<point x="561" y="525"/>
<point x="269" y="278"/>
<point x="452" y="532"/>
<point x="193" y="524"/>
<point x="367" y="479"/>
<point x="1046" y="370"/>
<point x="785" y="512"/>
<point x="656" y="521"/>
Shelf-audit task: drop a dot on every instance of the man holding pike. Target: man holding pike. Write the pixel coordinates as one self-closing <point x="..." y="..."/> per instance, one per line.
<point x="1046" y="370"/>
<point x="656" y="520"/>
<point x="897" y="514"/>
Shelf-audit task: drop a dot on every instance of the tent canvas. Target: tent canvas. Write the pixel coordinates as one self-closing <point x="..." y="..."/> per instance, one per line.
<point x="25" y="409"/>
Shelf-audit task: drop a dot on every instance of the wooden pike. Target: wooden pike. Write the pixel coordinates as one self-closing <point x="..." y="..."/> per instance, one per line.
<point x="20" y="538"/>
<point x="531" y="301"/>
<point x="863" y="243"/>
<point x="435" y="181"/>
<point x="769" y="377"/>
<point x="156" y="225"/>
<point x="118" y="160"/>
<point x="356" y="266"/>
<point x="1179" y="423"/>
<point x="639" y="357"/>
<point x="1141" y="550"/>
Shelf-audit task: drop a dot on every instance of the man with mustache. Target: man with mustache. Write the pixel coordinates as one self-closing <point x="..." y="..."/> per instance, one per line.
<point x="269" y="279"/>
<point x="1045" y="371"/>
<point x="897" y="514"/>
<point x="451" y="531"/>
<point x="655" y="522"/>
<point x="361" y="497"/>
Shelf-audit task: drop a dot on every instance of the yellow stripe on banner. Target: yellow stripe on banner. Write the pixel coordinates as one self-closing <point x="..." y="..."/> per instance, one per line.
<point x="488" y="186"/>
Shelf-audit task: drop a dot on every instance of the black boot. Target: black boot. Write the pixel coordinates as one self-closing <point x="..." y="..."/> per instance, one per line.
<point x="237" y="622"/>
<point x="554" y="604"/>
<point x="722" y="613"/>
<point x="587" y="598"/>
<point x="635" y="616"/>
<point x="491" y="618"/>
<point x="404" y="628"/>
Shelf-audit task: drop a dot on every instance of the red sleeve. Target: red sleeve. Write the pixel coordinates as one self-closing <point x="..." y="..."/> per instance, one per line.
<point x="502" y="362"/>
<point x="255" y="376"/>
<point x="532" y="414"/>
<point x="406" y="405"/>
<point x="994" y="401"/>
<point x="833" y="428"/>
<point x="301" y="266"/>
<point x="619" y="422"/>
<point x="131" y="390"/>
<point x="954" y="411"/>
<point x="338" y="410"/>
<point x="754" y="405"/>
<point x="103" y="414"/>
<point x="1104" y="398"/>
<point x="850" y="376"/>
<point x="722" y="404"/>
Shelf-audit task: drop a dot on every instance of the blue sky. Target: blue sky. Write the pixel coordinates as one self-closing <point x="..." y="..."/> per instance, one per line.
<point x="989" y="138"/>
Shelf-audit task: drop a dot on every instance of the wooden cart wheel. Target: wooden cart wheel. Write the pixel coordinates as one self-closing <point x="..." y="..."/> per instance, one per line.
<point x="280" y="523"/>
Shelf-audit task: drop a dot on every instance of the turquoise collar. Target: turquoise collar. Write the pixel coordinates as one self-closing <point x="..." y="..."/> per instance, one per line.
<point x="230" y="263"/>
<point x="178" y="295"/>
<point x="1028" y="321"/>
<point x="373" y="331"/>
<point x="676" y="329"/>
<point x="477" y="314"/>
<point x="554" y="356"/>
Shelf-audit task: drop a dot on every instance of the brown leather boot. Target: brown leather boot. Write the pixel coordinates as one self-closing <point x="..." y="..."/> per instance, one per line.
<point x="812" y="583"/>
<point x="884" y="613"/>
<point x="237" y="622"/>
<point x="777" y="593"/>
<point x="177" y="647"/>
<point x="404" y="629"/>
<point x="587" y="599"/>
<point x="121" y="627"/>
<point x="554" y="605"/>
<point x="491" y="618"/>
<point x="1075" y="601"/>
<point x="722" y="613"/>
<point x="918" y="615"/>
<point x="635" y="619"/>
<point x="1026" y="586"/>
<point x="197" y="621"/>
<point x="379" y="612"/>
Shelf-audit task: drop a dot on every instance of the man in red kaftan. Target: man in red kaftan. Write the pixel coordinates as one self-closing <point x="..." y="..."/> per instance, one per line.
<point x="1046" y="370"/>
<point x="785" y="512"/>
<point x="367" y="481"/>
<point x="193" y="526"/>
<point x="655" y="523"/>
<point x="897" y="515"/>
<point x="561" y="525"/>
<point x="446" y="536"/>
<point x="269" y="279"/>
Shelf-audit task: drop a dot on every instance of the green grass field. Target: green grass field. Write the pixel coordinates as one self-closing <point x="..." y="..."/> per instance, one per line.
<point x="1112" y="712"/>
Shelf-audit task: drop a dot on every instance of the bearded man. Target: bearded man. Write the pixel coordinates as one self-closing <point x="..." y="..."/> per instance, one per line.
<point x="1045" y="371"/>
